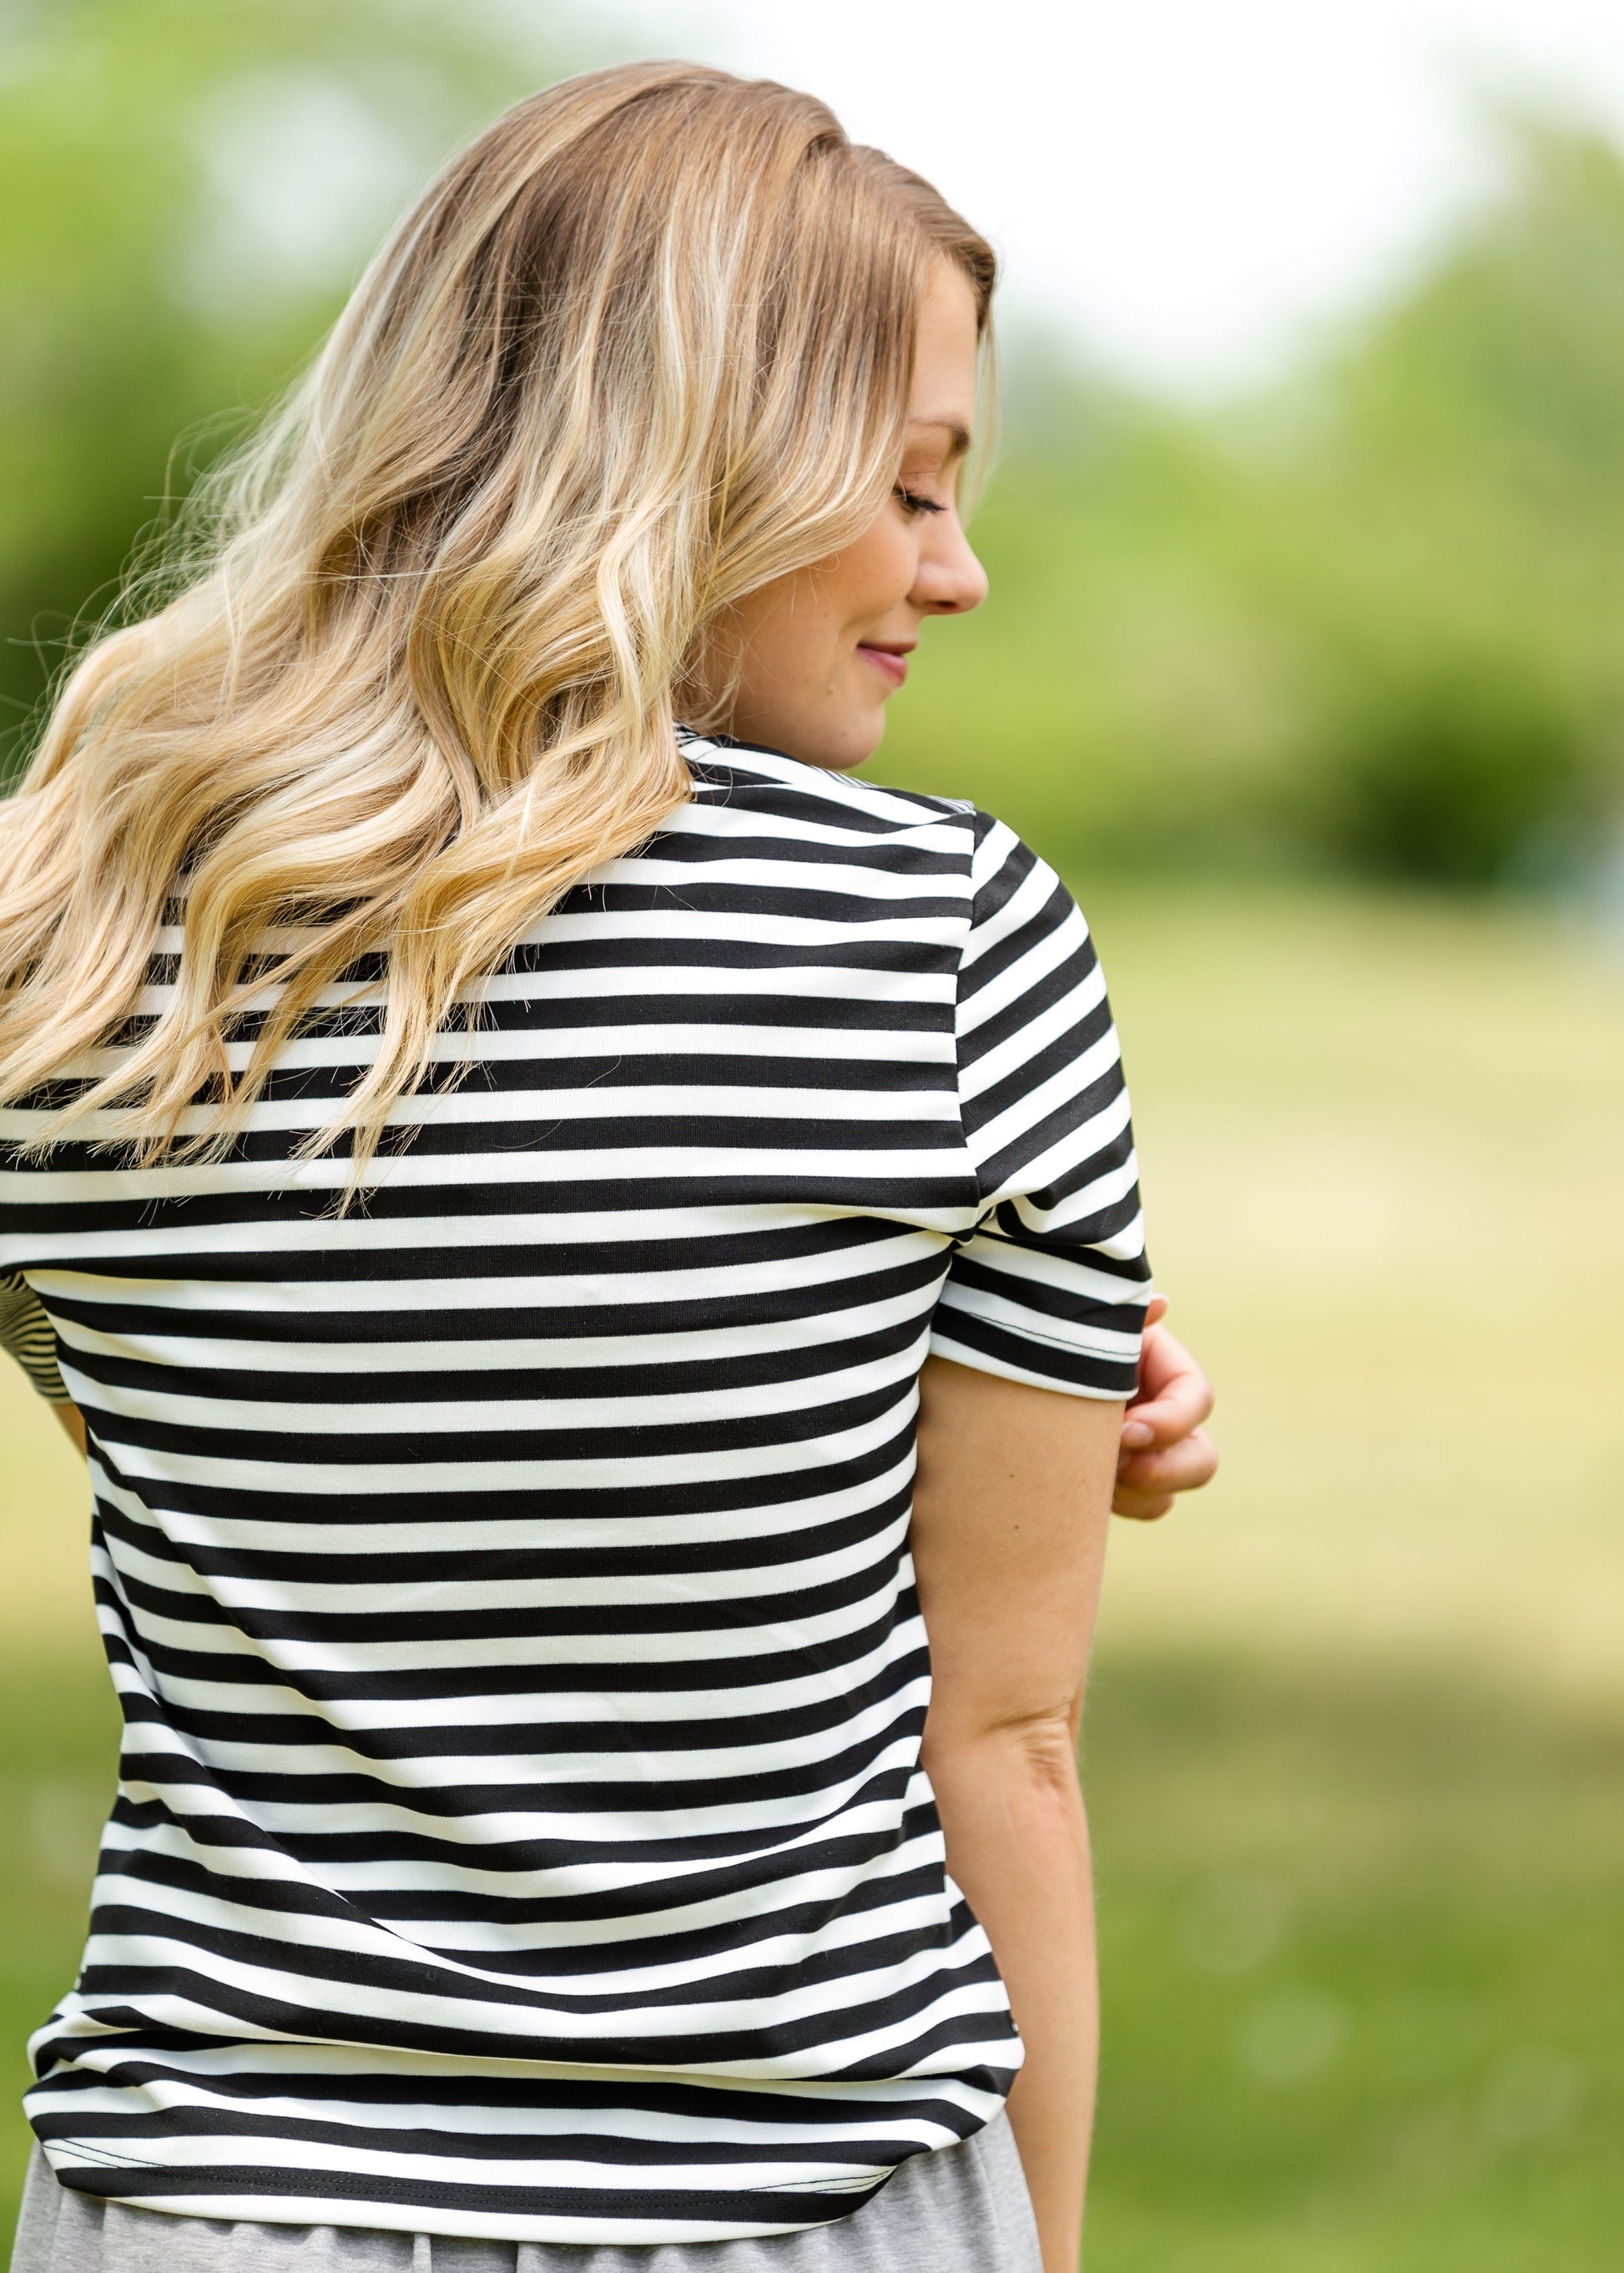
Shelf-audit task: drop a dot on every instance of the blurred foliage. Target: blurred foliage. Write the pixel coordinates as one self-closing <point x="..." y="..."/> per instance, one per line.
<point x="1372" y="617"/>
<point x="1367" y="618"/>
<point x="189" y="191"/>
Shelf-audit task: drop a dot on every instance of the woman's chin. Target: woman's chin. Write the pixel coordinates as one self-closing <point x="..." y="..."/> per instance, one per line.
<point x="853" y="742"/>
<point x="838" y="738"/>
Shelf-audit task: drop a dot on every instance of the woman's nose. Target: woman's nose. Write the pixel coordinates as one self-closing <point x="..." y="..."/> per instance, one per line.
<point x="950" y="580"/>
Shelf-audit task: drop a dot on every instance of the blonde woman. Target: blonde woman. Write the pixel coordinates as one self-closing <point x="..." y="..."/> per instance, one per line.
<point x="502" y="1138"/>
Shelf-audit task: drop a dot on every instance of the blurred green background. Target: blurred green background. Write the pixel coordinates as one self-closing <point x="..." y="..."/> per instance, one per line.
<point x="1317" y="698"/>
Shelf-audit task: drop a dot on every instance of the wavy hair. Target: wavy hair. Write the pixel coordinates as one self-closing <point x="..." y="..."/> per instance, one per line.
<point x="643" y="346"/>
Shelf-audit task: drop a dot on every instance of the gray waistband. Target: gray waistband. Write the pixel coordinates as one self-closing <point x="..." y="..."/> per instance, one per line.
<point x="964" y="2210"/>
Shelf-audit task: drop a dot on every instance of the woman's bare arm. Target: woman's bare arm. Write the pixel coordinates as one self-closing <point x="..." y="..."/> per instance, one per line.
<point x="1010" y="1520"/>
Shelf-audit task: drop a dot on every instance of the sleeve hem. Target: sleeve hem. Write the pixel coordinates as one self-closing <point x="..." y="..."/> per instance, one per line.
<point x="984" y="1361"/>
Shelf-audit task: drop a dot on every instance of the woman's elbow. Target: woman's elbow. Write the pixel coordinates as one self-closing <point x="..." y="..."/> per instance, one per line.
<point x="1021" y="1765"/>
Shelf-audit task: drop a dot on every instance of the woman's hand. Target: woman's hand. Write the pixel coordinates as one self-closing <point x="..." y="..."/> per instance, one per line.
<point x="1165" y="1450"/>
<point x="73" y="1426"/>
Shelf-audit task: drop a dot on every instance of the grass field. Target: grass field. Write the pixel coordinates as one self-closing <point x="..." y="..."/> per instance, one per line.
<point x="1364" y="2007"/>
<point x="1356" y="1741"/>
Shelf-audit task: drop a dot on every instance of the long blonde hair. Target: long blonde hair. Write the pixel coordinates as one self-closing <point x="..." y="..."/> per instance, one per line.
<point x="643" y="346"/>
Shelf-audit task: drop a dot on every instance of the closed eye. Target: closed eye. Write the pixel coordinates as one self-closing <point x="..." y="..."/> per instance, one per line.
<point x="912" y="502"/>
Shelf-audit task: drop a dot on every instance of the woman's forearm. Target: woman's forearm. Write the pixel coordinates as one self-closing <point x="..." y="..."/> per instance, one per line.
<point x="1018" y="1845"/>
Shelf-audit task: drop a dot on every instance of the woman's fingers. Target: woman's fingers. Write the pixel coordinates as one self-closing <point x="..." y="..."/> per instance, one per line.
<point x="1181" y="1467"/>
<point x="1164" y="1448"/>
<point x="1141" y="1507"/>
<point x="1175" y="1395"/>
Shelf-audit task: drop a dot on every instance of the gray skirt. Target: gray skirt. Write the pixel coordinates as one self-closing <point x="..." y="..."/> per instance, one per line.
<point x="962" y="2209"/>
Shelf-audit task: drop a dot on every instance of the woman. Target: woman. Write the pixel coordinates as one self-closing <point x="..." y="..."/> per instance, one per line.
<point x="490" y="1163"/>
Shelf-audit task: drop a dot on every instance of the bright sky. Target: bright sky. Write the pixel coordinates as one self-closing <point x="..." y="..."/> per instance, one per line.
<point x="1190" y="186"/>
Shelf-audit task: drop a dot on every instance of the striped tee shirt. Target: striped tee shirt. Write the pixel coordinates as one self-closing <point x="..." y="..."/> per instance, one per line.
<point x="521" y="1830"/>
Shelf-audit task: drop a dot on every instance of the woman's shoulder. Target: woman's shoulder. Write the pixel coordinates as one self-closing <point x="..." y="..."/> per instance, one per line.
<point x="776" y="812"/>
<point x="748" y="779"/>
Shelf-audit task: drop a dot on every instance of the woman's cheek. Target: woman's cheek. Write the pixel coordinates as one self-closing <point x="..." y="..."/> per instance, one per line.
<point x="881" y="567"/>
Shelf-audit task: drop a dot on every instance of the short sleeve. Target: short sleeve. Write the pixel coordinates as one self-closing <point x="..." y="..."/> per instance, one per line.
<point x="1051" y="1286"/>
<point x="28" y="1334"/>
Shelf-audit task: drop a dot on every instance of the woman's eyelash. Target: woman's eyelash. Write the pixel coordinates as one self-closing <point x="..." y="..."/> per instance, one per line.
<point x="912" y="502"/>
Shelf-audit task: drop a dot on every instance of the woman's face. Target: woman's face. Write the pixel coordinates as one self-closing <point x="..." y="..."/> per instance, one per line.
<point x="821" y="651"/>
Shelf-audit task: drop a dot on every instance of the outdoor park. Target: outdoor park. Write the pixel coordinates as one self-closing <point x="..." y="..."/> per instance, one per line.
<point x="1316" y="697"/>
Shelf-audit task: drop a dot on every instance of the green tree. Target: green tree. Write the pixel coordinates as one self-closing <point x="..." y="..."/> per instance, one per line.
<point x="1371" y="617"/>
<point x="190" y="189"/>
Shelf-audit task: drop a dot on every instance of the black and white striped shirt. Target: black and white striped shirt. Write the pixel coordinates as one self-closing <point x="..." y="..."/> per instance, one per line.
<point x="521" y="1830"/>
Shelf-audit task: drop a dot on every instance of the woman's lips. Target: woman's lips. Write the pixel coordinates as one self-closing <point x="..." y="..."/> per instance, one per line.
<point x="894" y="666"/>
